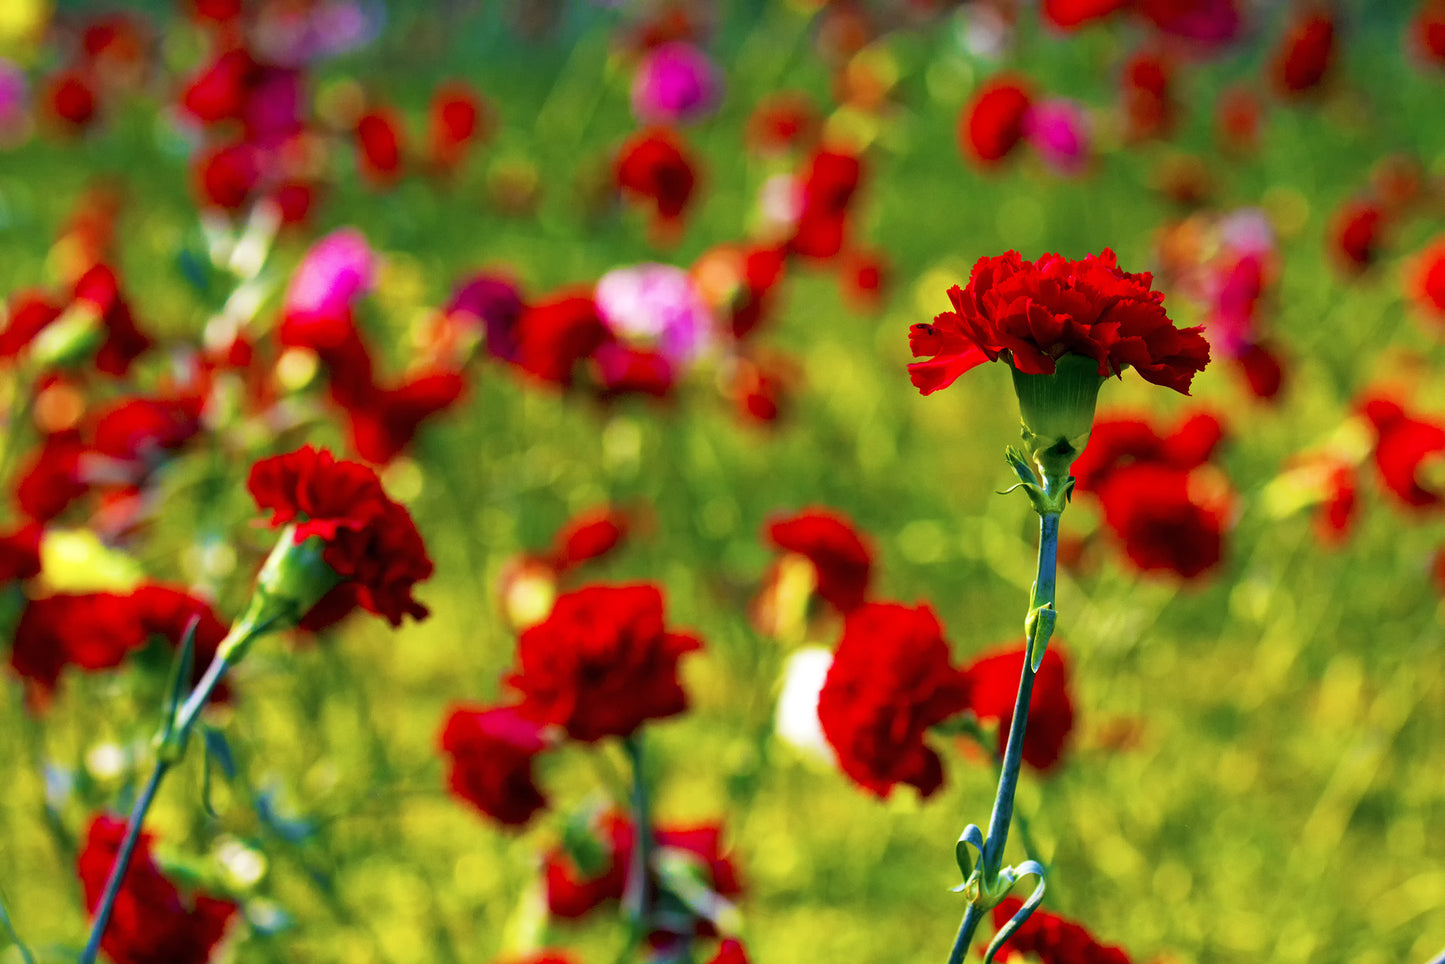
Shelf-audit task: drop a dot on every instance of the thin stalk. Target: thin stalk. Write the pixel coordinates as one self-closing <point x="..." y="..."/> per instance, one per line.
<point x="637" y="898"/>
<point x="9" y="926"/>
<point x="991" y="860"/>
<point x="185" y="720"/>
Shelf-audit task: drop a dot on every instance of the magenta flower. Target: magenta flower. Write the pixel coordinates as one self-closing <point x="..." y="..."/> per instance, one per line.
<point x="676" y="83"/>
<point x="1058" y="130"/>
<point x="337" y="270"/>
<point x="657" y="306"/>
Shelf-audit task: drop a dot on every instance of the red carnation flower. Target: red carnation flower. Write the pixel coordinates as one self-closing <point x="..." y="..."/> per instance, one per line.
<point x="553" y="336"/>
<point x="624" y="370"/>
<point x="1304" y="54"/>
<point x="1356" y="235"/>
<point x="889" y="682"/>
<point x="1031" y="312"/>
<point x="1166" y="523"/>
<point x="829" y="540"/>
<point x="1427" y="32"/>
<point x="491" y="753"/>
<point x="69" y="98"/>
<point x="1054" y="940"/>
<point x="602" y="663"/>
<point x="587" y="536"/>
<point x="227" y="176"/>
<point x="28" y="315"/>
<point x="828" y="190"/>
<point x="1206" y="23"/>
<point x="1117" y="443"/>
<point x="1069" y="14"/>
<point x="124" y="343"/>
<point x="167" y="612"/>
<point x="1427" y="281"/>
<point x="1147" y="94"/>
<point x="384" y="421"/>
<point x="378" y="146"/>
<point x="654" y="167"/>
<point x="90" y="630"/>
<point x="370" y="541"/>
<point x="456" y="121"/>
<point x="573" y="892"/>
<point x="730" y="951"/>
<point x="781" y="122"/>
<point x="1404" y="445"/>
<point x="20" y="554"/>
<point x="993" y="681"/>
<point x="992" y="123"/>
<point x="152" y="921"/>
<point x="1263" y="370"/>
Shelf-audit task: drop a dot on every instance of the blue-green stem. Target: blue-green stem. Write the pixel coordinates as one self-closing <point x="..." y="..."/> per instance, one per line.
<point x="9" y="927"/>
<point x="637" y="898"/>
<point x="185" y="720"/>
<point x="991" y="860"/>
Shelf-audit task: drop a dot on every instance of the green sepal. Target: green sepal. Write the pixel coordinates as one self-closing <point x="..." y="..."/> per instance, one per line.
<point x="1038" y="628"/>
<point x="170" y="742"/>
<point x="1029" y="868"/>
<point x="971" y="836"/>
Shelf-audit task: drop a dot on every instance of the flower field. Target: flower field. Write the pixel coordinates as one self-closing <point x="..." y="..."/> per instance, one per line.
<point x="538" y="482"/>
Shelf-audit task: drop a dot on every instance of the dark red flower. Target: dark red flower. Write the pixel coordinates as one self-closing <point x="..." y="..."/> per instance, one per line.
<point x="370" y="541"/>
<point x="90" y="630"/>
<point x="1206" y="23"/>
<point x="456" y="121"/>
<point x="227" y="176"/>
<point x="762" y="269"/>
<point x="992" y="123"/>
<point x="497" y="304"/>
<point x="863" y="277"/>
<point x="378" y="146"/>
<point x="69" y="98"/>
<point x="782" y="121"/>
<point x="1118" y="442"/>
<point x="828" y="189"/>
<point x="829" y="540"/>
<point x="219" y="92"/>
<point x="889" y="682"/>
<point x="654" y="167"/>
<point x="51" y="479"/>
<point x="1356" y="235"/>
<point x="99" y="287"/>
<point x="993" y="681"/>
<point x="1054" y="940"/>
<point x="1165" y="519"/>
<point x="491" y="753"/>
<point x="730" y="951"/>
<point x="1426" y="285"/>
<point x="1031" y="312"/>
<point x="1239" y="118"/>
<point x="143" y="430"/>
<point x="586" y="536"/>
<point x="167" y="612"/>
<point x="152" y="921"/>
<point x="384" y="421"/>
<point x="20" y="553"/>
<point x="28" y="315"/>
<point x="1404" y="445"/>
<point x="1427" y="32"/>
<point x="1304" y="54"/>
<point x="625" y="370"/>
<point x="1263" y="370"/>
<point x="1146" y="89"/>
<point x="602" y="663"/>
<point x="553" y="336"/>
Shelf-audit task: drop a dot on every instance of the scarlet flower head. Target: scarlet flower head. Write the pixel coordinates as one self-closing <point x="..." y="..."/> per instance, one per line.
<point x="379" y="146"/>
<point x="369" y="541"/>
<point x="1426" y="281"/>
<point x="1053" y="939"/>
<point x="588" y="535"/>
<point x="828" y="190"/>
<point x="993" y="685"/>
<point x="457" y="119"/>
<point x="152" y="922"/>
<point x="1404" y="446"/>
<point x="992" y="123"/>
<point x="602" y="663"/>
<point x="889" y="682"/>
<point x="1305" y="53"/>
<point x="841" y="560"/>
<point x="491" y="754"/>
<point x="1168" y="520"/>
<point x="654" y="167"/>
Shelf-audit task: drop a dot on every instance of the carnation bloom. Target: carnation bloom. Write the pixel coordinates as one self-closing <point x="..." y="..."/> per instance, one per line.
<point x="456" y="120"/>
<point x="379" y="146"/>
<point x="1031" y="313"/>
<point x="889" y="682"/>
<point x="675" y="83"/>
<point x="602" y="663"/>
<point x="827" y="192"/>
<point x="842" y="561"/>
<point x="90" y="631"/>
<point x="587" y="536"/>
<point x="152" y="921"/>
<point x="1165" y="522"/>
<point x="497" y="304"/>
<point x="491" y="753"/>
<point x="1304" y="54"/>
<point x="654" y="167"/>
<point x="1357" y="232"/>
<point x="1054" y="940"/>
<point x="337" y="271"/>
<point x="1404" y="447"/>
<point x="993" y="680"/>
<point x="993" y="121"/>
<point x="368" y="540"/>
<point x="1426" y="284"/>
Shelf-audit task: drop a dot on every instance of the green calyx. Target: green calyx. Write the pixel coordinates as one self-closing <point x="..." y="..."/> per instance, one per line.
<point x="1058" y="412"/>
<point x="293" y="579"/>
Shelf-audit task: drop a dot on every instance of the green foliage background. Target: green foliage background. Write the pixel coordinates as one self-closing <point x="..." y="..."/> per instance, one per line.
<point x="1257" y="773"/>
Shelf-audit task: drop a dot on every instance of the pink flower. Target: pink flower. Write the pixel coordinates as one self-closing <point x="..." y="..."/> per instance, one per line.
<point x="675" y="83"/>
<point x="1058" y="130"/>
<point x="338" y="269"/>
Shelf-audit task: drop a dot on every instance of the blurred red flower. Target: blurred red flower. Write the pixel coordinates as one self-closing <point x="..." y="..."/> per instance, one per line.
<point x="1305" y="52"/>
<point x="1357" y="233"/>
<point x="152" y="921"/>
<point x="554" y="335"/>
<point x="602" y="663"/>
<point x="1069" y="14"/>
<point x="889" y="682"/>
<point x="586" y="536"/>
<point x="1404" y="446"/>
<point x="370" y="541"/>
<point x="1426" y="284"/>
<point x="20" y="553"/>
<point x="89" y="630"/>
<point x="828" y="189"/>
<point x="383" y="421"/>
<point x="1031" y="312"/>
<point x="1146" y="91"/>
<point x="457" y="120"/>
<point x="993" y="681"/>
<point x="654" y="167"/>
<point x="1119" y="442"/>
<point x="1164" y="522"/>
<point x="379" y="146"/>
<point x="226" y="176"/>
<point x="992" y="123"/>
<point x="730" y="951"/>
<point x="1427" y="32"/>
<point x="166" y="611"/>
<point x="1054" y="940"/>
<point x="491" y="753"/>
<point x="69" y="98"/>
<point x="828" y="539"/>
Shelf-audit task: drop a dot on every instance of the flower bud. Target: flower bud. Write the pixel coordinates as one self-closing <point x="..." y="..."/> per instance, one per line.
<point x="1058" y="411"/>
<point x="71" y="339"/>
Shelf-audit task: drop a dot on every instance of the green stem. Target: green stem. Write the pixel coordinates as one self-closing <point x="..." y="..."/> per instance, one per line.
<point x="991" y="860"/>
<point x="185" y="719"/>
<point x="9" y="926"/>
<point x="637" y="900"/>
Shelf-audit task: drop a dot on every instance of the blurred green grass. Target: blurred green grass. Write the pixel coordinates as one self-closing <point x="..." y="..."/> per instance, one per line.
<point x="1258" y="769"/>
